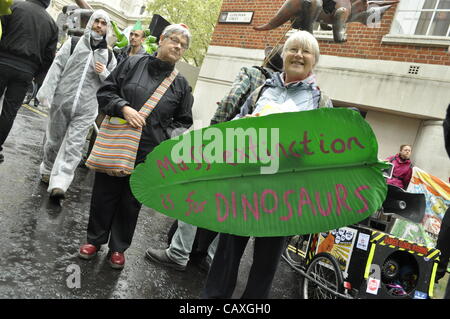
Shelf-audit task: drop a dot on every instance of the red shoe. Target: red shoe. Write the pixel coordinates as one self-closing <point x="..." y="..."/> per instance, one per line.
<point x="117" y="260"/>
<point x="87" y="251"/>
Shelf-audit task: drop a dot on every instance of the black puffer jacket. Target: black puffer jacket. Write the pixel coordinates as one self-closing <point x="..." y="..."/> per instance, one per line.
<point x="29" y="37"/>
<point x="447" y="131"/>
<point x="132" y="83"/>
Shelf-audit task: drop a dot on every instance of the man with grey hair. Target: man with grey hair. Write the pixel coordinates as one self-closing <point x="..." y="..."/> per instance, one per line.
<point x="114" y="210"/>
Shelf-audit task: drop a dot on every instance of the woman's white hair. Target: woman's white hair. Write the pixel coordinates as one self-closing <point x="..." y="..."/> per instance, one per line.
<point x="177" y="28"/>
<point x="306" y="40"/>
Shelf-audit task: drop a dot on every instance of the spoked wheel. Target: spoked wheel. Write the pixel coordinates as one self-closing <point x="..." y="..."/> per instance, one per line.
<point x="324" y="271"/>
<point x="295" y="252"/>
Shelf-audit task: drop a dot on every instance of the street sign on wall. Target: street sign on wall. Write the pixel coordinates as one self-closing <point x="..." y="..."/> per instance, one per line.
<point x="243" y="17"/>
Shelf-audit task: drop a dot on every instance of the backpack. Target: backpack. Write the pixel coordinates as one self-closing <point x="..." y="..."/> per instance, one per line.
<point x="266" y="73"/>
<point x="74" y="40"/>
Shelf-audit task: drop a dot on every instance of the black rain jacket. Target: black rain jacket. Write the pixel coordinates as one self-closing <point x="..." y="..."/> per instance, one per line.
<point x="132" y="83"/>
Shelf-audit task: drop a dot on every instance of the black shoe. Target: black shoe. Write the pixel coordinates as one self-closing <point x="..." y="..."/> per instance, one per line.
<point x="204" y="265"/>
<point x="45" y="178"/>
<point x="200" y="261"/>
<point x="2" y="158"/>
<point x="160" y="256"/>
<point x="57" y="194"/>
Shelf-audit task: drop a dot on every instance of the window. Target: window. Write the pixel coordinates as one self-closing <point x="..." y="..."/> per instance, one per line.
<point x="142" y="11"/>
<point x="322" y="32"/>
<point x="126" y="6"/>
<point x="422" y="18"/>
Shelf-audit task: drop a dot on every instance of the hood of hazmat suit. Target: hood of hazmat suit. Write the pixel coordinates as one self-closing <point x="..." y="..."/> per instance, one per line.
<point x="72" y="82"/>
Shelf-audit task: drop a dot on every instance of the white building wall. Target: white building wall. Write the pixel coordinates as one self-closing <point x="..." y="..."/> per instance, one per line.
<point x="430" y="144"/>
<point x="387" y="85"/>
<point x="398" y="130"/>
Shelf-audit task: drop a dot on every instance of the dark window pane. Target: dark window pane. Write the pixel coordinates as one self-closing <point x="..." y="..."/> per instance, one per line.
<point x="423" y="23"/>
<point x="444" y="4"/>
<point x="429" y="4"/>
<point x="440" y="24"/>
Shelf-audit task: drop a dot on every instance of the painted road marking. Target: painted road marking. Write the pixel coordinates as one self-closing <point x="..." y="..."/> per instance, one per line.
<point x="34" y="110"/>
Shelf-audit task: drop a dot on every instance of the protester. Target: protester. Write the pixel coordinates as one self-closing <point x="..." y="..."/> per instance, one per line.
<point x="298" y="84"/>
<point x="446" y="126"/>
<point x="182" y="248"/>
<point x="114" y="210"/>
<point x="27" y="49"/>
<point x="136" y="40"/>
<point x="402" y="171"/>
<point x="70" y="87"/>
<point x="443" y="242"/>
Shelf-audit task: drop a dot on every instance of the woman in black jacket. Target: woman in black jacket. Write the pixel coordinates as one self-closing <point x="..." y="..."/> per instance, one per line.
<point x="114" y="210"/>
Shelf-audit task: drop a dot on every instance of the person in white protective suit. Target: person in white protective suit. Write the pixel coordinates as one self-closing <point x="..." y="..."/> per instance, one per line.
<point x="70" y="89"/>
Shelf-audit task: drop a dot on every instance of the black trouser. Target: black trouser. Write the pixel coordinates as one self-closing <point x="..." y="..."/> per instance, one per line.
<point x="204" y="238"/>
<point x="202" y="241"/>
<point x="16" y="84"/>
<point x="224" y="269"/>
<point x="114" y="213"/>
<point x="443" y="244"/>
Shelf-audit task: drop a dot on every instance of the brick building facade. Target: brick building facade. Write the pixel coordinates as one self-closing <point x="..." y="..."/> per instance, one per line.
<point x="398" y="72"/>
<point x="362" y="42"/>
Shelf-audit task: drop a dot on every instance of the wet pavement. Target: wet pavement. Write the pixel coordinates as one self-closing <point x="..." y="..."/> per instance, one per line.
<point x="39" y="239"/>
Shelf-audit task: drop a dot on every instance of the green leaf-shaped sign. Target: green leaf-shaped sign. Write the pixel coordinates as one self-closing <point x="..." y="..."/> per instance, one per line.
<point x="277" y="175"/>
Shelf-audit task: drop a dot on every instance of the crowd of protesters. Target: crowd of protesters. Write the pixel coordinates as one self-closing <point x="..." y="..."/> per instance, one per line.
<point x="85" y="78"/>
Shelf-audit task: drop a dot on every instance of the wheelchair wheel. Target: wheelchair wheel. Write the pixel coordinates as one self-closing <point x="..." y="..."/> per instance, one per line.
<point x="325" y="270"/>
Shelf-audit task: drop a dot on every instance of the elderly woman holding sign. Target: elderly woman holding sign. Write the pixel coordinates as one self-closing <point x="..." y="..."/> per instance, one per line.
<point x="291" y="91"/>
<point x="144" y="93"/>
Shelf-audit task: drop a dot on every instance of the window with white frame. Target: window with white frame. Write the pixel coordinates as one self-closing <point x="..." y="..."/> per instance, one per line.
<point x="422" y="18"/>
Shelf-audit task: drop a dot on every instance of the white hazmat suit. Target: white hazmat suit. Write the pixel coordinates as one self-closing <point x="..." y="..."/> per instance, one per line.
<point x="70" y="89"/>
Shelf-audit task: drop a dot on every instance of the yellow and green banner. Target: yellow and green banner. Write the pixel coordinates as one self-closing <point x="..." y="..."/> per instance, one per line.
<point x="437" y="196"/>
<point x="4" y="10"/>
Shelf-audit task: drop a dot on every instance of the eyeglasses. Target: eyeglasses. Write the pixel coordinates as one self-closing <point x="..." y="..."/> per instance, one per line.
<point x="177" y="41"/>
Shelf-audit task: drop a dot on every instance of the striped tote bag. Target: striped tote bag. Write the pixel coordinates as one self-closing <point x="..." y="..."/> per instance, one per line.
<point x="117" y="142"/>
